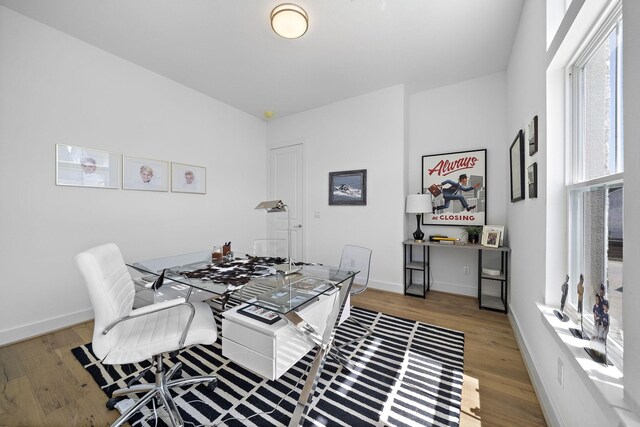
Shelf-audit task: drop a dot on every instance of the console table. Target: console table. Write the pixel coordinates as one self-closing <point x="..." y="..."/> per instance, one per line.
<point x="485" y="301"/>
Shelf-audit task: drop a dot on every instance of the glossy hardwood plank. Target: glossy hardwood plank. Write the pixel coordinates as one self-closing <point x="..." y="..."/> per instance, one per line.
<point x="41" y="383"/>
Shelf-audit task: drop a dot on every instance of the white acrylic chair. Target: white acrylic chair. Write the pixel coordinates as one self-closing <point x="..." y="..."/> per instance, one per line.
<point x="355" y="258"/>
<point x="123" y="334"/>
<point x="270" y="248"/>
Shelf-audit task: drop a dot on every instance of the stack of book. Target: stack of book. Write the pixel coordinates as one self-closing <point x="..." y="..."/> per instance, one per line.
<point x="443" y="239"/>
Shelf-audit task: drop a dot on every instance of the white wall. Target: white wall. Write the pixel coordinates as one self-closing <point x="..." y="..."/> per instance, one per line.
<point x="537" y="226"/>
<point x="56" y="89"/>
<point x="365" y="132"/>
<point x="464" y="116"/>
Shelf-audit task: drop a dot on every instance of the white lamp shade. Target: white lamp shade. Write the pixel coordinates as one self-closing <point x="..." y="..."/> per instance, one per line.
<point x="289" y="21"/>
<point x="418" y="203"/>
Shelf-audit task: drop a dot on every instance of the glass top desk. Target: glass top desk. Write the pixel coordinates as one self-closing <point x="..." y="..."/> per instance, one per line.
<point x="251" y="280"/>
<point x="255" y="281"/>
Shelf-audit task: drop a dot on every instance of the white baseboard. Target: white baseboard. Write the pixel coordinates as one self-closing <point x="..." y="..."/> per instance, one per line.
<point x="450" y="288"/>
<point x="386" y="286"/>
<point x="546" y="404"/>
<point x="453" y="288"/>
<point x="21" y="333"/>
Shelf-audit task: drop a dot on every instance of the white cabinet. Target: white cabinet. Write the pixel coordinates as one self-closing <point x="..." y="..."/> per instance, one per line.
<point x="270" y="350"/>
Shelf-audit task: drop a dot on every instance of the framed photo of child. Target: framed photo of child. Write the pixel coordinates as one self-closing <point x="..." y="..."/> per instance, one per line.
<point x="86" y="167"/>
<point x="144" y="174"/>
<point x="188" y="178"/>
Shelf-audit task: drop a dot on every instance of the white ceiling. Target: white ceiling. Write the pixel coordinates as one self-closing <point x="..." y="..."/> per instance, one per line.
<point x="227" y="50"/>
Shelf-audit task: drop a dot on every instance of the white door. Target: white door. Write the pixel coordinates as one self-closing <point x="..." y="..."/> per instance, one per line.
<point x="285" y="183"/>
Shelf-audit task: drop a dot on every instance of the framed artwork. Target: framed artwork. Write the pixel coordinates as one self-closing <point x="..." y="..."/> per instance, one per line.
<point x="144" y="174"/>
<point x="188" y="178"/>
<point x="348" y="187"/>
<point x="491" y="228"/>
<point x="86" y="167"/>
<point x="532" y="180"/>
<point x="516" y="155"/>
<point x="457" y="183"/>
<point x="532" y="135"/>
<point x="259" y="313"/>
<point x="491" y="238"/>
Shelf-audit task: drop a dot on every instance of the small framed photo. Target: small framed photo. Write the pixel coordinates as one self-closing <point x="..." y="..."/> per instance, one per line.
<point x="144" y="174"/>
<point x="532" y="135"/>
<point x="262" y="314"/>
<point x="348" y="187"/>
<point x="516" y="155"/>
<point x="188" y="178"/>
<point x="532" y="180"/>
<point x="86" y="167"/>
<point x="491" y="238"/>
<point x="492" y="228"/>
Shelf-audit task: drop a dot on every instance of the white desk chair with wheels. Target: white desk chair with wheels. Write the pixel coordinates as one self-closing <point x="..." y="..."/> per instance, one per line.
<point x="355" y="258"/>
<point x="125" y="335"/>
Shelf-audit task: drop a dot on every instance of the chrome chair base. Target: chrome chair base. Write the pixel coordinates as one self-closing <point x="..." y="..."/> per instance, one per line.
<point x="336" y="352"/>
<point x="159" y="391"/>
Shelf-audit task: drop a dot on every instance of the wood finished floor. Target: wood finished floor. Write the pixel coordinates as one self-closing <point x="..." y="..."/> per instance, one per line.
<point x="42" y="384"/>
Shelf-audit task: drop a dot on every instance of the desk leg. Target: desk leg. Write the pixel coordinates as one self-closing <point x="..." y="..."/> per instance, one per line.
<point x="324" y="344"/>
<point x="309" y="386"/>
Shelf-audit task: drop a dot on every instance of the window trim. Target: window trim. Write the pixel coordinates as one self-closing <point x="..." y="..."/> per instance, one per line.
<point x="613" y="22"/>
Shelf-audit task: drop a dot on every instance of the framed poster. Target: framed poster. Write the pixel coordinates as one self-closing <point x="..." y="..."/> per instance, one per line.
<point x="532" y="180"/>
<point x="457" y="183"/>
<point x="348" y="187"/>
<point x="516" y="156"/>
<point x="144" y="174"/>
<point x="86" y="167"/>
<point x="188" y="178"/>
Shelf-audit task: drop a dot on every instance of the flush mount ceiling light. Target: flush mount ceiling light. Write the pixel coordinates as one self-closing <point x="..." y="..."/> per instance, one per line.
<point x="289" y="21"/>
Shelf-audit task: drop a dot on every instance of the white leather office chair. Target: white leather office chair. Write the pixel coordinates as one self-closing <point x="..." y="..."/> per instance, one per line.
<point x="125" y="335"/>
<point x="356" y="258"/>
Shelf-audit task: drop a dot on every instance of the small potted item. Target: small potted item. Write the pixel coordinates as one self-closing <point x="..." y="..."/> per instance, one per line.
<point x="473" y="232"/>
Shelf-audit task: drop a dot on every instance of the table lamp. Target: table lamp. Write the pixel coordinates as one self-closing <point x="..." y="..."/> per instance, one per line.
<point x="418" y="204"/>
<point x="272" y="206"/>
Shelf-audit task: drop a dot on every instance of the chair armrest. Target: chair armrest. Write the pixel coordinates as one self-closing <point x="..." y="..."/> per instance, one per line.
<point x="153" y="308"/>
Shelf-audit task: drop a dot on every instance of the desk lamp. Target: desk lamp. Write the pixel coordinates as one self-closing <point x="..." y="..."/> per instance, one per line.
<point x="272" y="206"/>
<point x="418" y="204"/>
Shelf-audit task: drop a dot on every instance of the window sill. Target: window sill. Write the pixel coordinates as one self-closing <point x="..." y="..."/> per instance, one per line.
<point x="603" y="383"/>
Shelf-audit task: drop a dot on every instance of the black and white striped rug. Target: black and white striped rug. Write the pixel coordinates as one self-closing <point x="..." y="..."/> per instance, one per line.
<point x="406" y="374"/>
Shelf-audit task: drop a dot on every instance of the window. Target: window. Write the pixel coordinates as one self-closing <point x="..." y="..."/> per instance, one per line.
<point x="595" y="187"/>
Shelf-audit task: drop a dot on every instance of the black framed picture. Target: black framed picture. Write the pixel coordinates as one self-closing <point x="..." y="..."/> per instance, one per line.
<point x="348" y="187"/>
<point x="532" y="135"/>
<point x="516" y="156"/>
<point x="457" y="183"/>
<point x="262" y="314"/>
<point x="532" y="180"/>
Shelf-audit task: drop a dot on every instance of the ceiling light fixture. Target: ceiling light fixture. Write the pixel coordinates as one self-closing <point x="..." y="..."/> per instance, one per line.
<point x="289" y="21"/>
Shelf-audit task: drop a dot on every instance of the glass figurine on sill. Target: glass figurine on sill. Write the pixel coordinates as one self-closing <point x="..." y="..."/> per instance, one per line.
<point x="579" y="333"/>
<point x="565" y="289"/>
